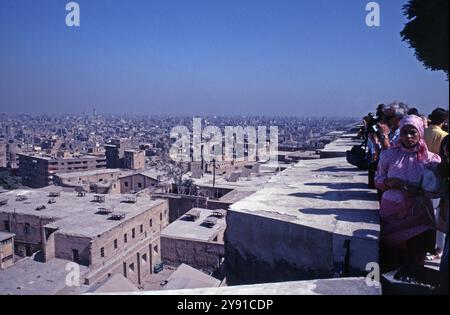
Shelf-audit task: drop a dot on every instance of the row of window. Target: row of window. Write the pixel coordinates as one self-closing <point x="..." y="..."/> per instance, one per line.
<point x="139" y="184"/>
<point x="133" y="235"/>
<point x="131" y="267"/>
<point x="26" y="228"/>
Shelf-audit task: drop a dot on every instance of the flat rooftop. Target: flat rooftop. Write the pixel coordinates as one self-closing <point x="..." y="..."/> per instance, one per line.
<point x="236" y="195"/>
<point x="5" y="236"/>
<point x="90" y="173"/>
<point x="151" y="173"/>
<point x="300" y="154"/>
<point x="339" y="147"/>
<point x="29" y="277"/>
<point x="341" y="286"/>
<point x="70" y="158"/>
<point x="117" y="283"/>
<point x="325" y="194"/>
<point x="194" y="230"/>
<point x="186" y="277"/>
<point x="252" y="183"/>
<point x="76" y="215"/>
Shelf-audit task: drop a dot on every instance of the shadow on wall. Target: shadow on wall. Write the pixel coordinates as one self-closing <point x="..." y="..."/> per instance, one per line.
<point x="340" y="186"/>
<point x="348" y="215"/>
<point x="337" y="169"/>
<point x="338" y="195"/>
<point x="365" y="233"/>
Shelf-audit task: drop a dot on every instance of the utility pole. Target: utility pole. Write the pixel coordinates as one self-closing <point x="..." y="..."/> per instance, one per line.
<point x="214" y="177"/>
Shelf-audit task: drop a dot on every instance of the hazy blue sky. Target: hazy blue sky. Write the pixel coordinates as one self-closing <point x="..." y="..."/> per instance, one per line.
<point x="283" y="57"/>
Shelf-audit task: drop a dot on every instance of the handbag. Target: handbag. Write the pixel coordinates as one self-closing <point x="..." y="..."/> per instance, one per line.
<point x="357" y="156"/>
<point x="430" y="181"/>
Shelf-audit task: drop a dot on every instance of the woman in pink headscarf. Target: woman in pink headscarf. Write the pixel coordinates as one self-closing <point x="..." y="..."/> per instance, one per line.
<point x="406" y="212"/>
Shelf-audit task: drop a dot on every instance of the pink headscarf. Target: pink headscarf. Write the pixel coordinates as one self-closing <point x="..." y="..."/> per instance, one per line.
<point x="417" y="122"/>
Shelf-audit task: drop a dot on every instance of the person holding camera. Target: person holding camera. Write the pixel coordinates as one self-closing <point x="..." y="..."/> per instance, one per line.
<point x="383" y="133"/>
<point x="389" y="129"/>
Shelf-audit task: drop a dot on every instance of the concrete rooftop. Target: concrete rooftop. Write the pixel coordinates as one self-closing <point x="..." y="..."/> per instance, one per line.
<point x="342" y="286"/>
<point x="186" y="277"/>
<point x="29" y="277"/>
<point x="90" y="173"/>
<point x="193" y="230"/>
<point x="252" y="183"/>
<point x="339" y="147"/>
<point x="5" y="236"/>
<point x="76" y="215"/>
<point x="326" y="194"/>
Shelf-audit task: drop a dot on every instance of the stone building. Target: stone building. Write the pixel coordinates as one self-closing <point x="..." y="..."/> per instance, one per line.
<point x="134" y="159"/>
<point x="37" y="171"/>
<point x="195" y="239"/>
<point x="108" y="234"/>
<point x="6" y="250"/>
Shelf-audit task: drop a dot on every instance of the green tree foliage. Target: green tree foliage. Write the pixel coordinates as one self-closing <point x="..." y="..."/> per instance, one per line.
<point x="427" y="32"/>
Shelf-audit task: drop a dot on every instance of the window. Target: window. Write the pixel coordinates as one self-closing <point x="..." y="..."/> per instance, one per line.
<point x="151" y="222"/>
<point x="7" y="228"/>
<point x="155" y="248"/>
<point x="75" y="255"/>
<point x="27" y="229"/>
<point x="126" y="184"/>
<point x="6" y="241"/>
<point x="131" y="267"/>
<point x="125" y="269"/>
<point x="125" y="238"/>
<point x="115" y="244"/>
<point x="102" y="252"/>
<point x="133" y="233"/>
<point x="141" y="228"/>
<point x="144" y="258"/>
<point x="140" y="185"/>
<point x="160" y="216"/>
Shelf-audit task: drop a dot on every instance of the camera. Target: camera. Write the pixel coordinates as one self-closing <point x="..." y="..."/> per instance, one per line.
<point x="372" y="121"/>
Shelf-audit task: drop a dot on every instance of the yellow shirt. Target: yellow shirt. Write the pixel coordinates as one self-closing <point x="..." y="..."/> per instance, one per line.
<point x="433" y="138"/>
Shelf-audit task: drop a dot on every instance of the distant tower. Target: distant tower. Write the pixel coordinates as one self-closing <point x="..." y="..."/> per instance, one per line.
<point x="94" y="112"/>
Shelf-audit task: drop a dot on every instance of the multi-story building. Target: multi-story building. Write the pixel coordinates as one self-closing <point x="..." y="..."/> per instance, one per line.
<point x="134" y="159"/>
<point x="100" y="181"/>
<point x="37" y="171"/>
<point x="3" y="161"/>
<point x="140" y="181"/>
<point x="195" y="239"/>
<point x="108" y="234"/>
<point x="6" y="250"/>
<point x="115" y="152"/>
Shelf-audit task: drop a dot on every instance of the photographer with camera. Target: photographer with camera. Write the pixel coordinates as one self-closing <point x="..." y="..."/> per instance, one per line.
<point x="389" y="129"/>
<point x="383" y="132"/>
<point x="373" y="144"/>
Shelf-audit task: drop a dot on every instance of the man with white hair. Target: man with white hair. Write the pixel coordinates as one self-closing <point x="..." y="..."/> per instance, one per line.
<point x="390" y="127"/>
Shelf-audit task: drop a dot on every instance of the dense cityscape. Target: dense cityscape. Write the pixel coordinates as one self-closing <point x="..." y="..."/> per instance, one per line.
<point x="241" y="148"/>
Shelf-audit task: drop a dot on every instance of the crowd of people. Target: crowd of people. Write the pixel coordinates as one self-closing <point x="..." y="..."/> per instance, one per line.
<point x="407" y="159"/>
